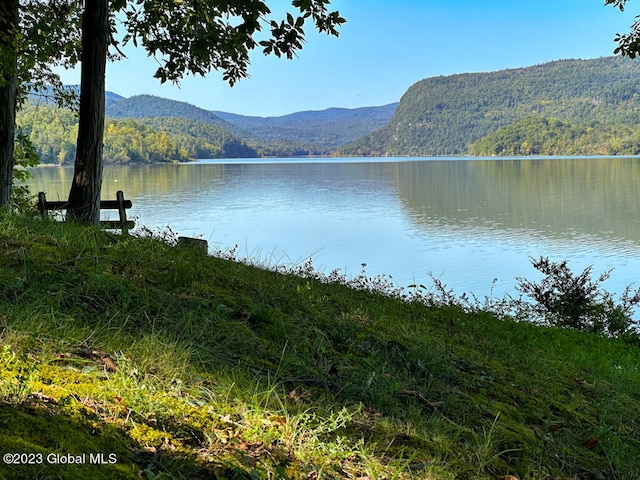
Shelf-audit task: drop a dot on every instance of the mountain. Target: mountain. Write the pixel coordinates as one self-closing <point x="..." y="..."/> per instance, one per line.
<point x="580" y="107"/>
<point x="111" y="97"/>
<point x="328" y="128"/>
<point x="150" y="106"/>
<point x="44" y="95"/>
<point x="141" y="139"/>
<point x="302" y="133"/>
<point x="208" y="132"/>
<point x="146" y="129"/>
<point x="447" y="114"/>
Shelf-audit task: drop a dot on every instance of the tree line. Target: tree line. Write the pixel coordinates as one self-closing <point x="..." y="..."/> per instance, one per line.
<point x="53" y="131"/>
<point x="544" y="136"/>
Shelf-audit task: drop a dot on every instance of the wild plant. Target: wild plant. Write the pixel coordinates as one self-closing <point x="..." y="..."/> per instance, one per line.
<point x="165" y="235"/>
<point x="18" y="375"/>
<point x="578" y="301"/>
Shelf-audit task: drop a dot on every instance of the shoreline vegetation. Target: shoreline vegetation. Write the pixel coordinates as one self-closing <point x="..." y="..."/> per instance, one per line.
<point x="566" y="107"/>
<point x="134" y="357"/>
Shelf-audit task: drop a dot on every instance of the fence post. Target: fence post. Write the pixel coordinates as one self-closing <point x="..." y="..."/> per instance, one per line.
<point x="42" y="204"/>
<point x="122" y="211"/>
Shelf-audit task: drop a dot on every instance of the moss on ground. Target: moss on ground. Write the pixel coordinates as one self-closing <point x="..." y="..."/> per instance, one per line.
<point x="184" y="365"/>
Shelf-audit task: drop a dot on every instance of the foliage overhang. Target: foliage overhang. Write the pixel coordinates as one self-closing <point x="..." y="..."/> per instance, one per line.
<point x="197" y="36"/>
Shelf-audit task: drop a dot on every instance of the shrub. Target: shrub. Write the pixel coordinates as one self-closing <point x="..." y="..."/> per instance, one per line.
<point x="577" y="301"/>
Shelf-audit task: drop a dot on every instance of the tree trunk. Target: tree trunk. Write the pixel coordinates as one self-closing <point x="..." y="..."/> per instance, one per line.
<point x="8" y="90"/>
<point x="84" y="197"/>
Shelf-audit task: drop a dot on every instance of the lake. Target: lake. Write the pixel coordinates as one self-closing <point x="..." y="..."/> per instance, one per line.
<point x="466" y="221"/>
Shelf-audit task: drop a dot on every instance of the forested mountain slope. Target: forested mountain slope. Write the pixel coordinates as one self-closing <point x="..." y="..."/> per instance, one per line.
<point x="329" y="129"/>
<point x="447" y="114"/>
<point x="302" y="133"/>
<point x="550" y="136"/>
<point x="145" y="129"/>
<point x="53" y="131"/>
<point x="148" y="106"/>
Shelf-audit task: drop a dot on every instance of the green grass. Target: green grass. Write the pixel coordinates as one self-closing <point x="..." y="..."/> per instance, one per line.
<point x="184" y="365"/>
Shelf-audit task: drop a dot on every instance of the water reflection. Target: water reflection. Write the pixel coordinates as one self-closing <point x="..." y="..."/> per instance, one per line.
<point x="467" y="220"/>
<point x="551" y="198"/>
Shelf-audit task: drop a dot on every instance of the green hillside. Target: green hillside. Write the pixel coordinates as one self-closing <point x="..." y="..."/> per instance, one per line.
<point x="301" y="133"/>
<point x="566" y="107"/>
<point x="145" y="106"/>
<point x="446" y="115"/>
<point x="54" y="131"/>
<point x="175" y="364"/>
<point x="543" y="136"/>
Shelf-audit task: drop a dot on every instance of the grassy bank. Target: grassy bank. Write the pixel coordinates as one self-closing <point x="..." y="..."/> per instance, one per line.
<point x="173" y="364"/>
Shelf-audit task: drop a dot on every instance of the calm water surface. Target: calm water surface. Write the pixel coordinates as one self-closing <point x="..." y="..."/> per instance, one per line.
<point x="466" y="221"/>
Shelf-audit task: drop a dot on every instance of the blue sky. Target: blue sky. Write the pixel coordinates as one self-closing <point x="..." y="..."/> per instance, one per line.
<point x="385" y="47"/>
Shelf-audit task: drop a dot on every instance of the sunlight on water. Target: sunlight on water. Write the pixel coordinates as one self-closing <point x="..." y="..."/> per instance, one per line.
<point x="465" y="221"/>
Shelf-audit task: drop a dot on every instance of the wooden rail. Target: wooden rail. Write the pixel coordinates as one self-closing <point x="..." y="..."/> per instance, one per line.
<point x="120" y="204"/>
